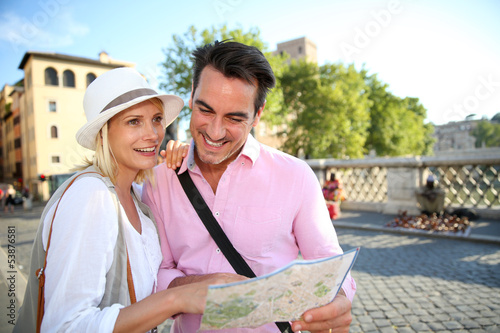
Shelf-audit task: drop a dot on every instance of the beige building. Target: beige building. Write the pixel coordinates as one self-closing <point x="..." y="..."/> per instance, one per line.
<point x="46" y="114"/>
<point x="10" y="137"/>
<point x="300" y="48"/>
<point x="5" y="116"/>
<point x="456" y="135"/>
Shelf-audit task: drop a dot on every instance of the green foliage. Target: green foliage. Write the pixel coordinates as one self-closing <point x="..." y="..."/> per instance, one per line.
<point x="327" y="110"/>
<point x="396" y="124"/>
<point x="496" y="118"/>
<point x="6" y="111"/>
<point x="336" y="111"/>
<point x="487" y="133"/>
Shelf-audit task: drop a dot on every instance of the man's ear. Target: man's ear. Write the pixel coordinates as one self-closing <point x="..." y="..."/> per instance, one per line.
<point x="259" y="114"/>
<point x="190" y="103"/>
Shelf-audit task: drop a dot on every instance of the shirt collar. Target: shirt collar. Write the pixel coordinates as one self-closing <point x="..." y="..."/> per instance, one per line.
<point x="189" y="162"/>
<point x="251" y="149"/>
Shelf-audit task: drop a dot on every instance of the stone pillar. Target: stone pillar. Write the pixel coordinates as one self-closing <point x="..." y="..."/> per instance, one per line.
<point x="402" y="184"/>
<point x="320" y="171"/>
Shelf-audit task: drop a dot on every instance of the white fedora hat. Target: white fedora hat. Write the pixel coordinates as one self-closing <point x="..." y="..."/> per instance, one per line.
<point x="115" y="91"/>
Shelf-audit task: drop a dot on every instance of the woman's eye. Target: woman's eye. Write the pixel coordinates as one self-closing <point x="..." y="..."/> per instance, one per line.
<point x="133" y="122"/>
<point x="158" y="119"/>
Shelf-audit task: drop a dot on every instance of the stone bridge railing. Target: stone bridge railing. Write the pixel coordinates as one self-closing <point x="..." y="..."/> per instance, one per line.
<point x="388" y="185"/>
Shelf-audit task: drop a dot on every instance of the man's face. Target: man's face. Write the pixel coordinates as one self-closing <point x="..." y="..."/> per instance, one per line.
<point x="222" y="117"/>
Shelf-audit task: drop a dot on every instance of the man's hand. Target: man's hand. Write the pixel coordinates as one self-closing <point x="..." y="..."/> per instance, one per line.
<point x="174" y="153"/>
<point x="335" y="316"/>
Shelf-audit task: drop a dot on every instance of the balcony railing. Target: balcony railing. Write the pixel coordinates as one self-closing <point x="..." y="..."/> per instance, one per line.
<point x="471" y="180"/>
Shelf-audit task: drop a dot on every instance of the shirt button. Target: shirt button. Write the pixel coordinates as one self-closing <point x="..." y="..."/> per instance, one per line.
<point x="218" y="250"/>
<point x="216" y="213"/>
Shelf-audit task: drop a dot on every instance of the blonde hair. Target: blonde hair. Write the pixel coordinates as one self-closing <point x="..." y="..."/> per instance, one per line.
<point x="105" y="161"/>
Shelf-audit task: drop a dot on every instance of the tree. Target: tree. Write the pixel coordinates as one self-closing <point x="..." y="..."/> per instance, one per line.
<point x="496" y="118"/>
<point x="336" y="111"/>
<point x="418" y="135"/>
<point x="396" y="124"/>
<point x="487" y="134"/>
<point x="326" y="110"/>
<point x="177" y="67"/>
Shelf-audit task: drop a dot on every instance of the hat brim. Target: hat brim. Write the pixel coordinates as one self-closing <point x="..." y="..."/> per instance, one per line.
<point x="86" y="135"/>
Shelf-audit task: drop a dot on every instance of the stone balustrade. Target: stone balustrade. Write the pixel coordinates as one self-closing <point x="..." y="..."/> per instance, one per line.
<point x="471" y="179"/>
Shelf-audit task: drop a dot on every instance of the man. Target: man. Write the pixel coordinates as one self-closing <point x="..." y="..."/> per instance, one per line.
<point x="268" y="203"/>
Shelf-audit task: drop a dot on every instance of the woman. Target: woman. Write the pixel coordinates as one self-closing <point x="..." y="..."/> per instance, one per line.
<point x="9" y="201"/>
<point x="101" y="229"/>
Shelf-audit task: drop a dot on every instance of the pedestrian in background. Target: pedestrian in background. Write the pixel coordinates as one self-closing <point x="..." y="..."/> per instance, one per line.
<point x="9" y="199"/>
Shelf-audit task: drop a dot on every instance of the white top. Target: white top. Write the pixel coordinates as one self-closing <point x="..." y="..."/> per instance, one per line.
<point x="81" y="253"/>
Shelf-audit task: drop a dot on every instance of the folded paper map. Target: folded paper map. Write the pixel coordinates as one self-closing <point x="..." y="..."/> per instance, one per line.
<point x="283" y="295"/>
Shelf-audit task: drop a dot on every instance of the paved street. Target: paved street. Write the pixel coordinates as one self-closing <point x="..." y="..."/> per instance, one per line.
<point x="406" y="283"/>
<point x="418" y="284"/>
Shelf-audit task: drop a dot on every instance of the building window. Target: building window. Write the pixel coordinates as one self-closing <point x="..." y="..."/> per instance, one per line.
<point x="19" y="170"/>
<point x="90" y="78"/>
<point x="53" y="132"/>
<point x="68" y="79"/>
<point x="51" y="77"/>
<point x="17" y="143"/>
<point x="55" y="159"/>
<point x="52" y="106"/>
<point x="300" y="49"/>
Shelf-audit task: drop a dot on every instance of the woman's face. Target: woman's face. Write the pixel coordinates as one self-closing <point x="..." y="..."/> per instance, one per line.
<point x="134" y="136"/>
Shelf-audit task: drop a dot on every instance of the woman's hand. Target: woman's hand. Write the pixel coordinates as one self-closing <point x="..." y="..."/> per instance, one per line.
<point x="184" y="298"/>
<point x="174" y="154"/>
<point x="192" y="294"/>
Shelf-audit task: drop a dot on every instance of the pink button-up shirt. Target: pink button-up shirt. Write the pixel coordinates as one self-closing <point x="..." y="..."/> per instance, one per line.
<point x="268" y="203"/>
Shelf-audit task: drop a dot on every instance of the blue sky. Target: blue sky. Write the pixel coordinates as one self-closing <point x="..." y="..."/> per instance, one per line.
<point x="447" y="53"/>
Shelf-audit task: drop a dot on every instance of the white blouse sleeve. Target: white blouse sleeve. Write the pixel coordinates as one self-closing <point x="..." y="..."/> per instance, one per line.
<point x="83" y="238"/>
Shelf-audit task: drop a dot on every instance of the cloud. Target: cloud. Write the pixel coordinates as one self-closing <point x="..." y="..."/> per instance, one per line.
<point x="44" y="29"/>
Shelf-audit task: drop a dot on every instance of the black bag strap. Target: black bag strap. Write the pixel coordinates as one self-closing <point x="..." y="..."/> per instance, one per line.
<point x="234" y="257"/>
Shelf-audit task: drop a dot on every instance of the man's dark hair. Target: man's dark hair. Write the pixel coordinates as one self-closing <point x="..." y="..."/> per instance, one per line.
<point x="235" y="60"/>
